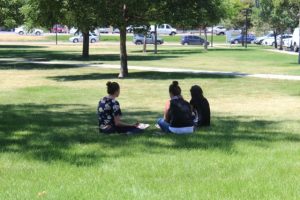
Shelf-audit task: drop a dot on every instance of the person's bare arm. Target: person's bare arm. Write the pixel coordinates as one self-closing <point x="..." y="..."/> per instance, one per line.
<point x="118" y="122"/>
<point x="166" y="110"/>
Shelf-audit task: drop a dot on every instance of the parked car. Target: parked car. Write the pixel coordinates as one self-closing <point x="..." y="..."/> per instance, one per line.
<point x="103" y="30"/>
<point x="22" y="31"/>
<point x="295" y="40"/>
<point x="93" y="38"/>
<point x="138" y="39"/>
<point x="259" y="40"/>
<point x="129" y="29"/>
<point x="218" y="30"/>
<point x="116" y="30"/>
<point x="288" y="43"/>
<point x="137" y="29"/>
<point x="74" y="31"/>
<point x="239" y="39"/>
<point x="164" y="29"/>
<point x="235" y="31"/>
<point x="193" y="40"/>
<point x="271" y="41"/>
<point x="58" y="28"/>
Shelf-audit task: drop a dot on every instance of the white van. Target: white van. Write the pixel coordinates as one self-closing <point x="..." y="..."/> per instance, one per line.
<point x="164" y="29"/>
<point x="295" y="40"/>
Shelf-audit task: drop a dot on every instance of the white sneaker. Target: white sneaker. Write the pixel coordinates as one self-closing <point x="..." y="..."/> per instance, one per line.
<point x="157" y="126"/>
<point x="143" y="126"/>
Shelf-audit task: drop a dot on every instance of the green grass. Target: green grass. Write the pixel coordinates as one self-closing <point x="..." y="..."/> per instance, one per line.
<point x="116" y="38"/>
<point x="50" y="148"/>
<point x="234" y="59"/>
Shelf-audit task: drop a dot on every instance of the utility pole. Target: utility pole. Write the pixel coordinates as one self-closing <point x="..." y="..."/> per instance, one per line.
<point x="56" y="33"/>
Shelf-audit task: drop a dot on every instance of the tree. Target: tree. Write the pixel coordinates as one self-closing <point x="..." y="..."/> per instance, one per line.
<point x="280" y="14"/>
<point x="83" y="14"/>
<point x="234" y="13"/>
<point x="172" y="11"/>
<point x="10" y="13"/>
<point x="195" y="13"/>
<point x="296" y="4"/>
<point x="122" y="13"/>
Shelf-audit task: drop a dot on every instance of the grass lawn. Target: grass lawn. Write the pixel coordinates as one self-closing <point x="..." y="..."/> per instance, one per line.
<point x="237" y="59"/>
<point x="116" y="38"/>
<point x="50" y="148"/>
<point x="103" y="38"/>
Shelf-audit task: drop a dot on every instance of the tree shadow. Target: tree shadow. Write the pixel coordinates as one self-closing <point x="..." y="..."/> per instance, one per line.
<point x="21" y="47"/>
<point x="50" y="133"/>
<point x="142" y="75"/>
<point x="8" y="65"/>
<point x="46" y="55"/>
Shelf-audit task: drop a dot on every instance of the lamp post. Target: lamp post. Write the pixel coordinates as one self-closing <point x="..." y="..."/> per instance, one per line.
<point x="56" y="33"/>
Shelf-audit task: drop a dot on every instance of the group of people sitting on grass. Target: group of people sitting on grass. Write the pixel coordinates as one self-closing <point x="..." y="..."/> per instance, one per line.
<point x="180" y="116"/>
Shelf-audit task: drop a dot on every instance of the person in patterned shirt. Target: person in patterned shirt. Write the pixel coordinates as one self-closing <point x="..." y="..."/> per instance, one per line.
<point x="109" y="113"/>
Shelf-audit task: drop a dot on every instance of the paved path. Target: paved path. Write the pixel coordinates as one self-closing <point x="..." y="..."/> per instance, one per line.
<point x="283" y="52"/>
<point x="158" y="69"/>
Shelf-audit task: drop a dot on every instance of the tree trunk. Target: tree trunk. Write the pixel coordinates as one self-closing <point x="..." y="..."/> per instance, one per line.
<point x="145" y="44"/>
<point x="123" y="53"/>
<point x="155" y="39"/>
<point x="275" y="39"/>
<point x="205" y="35"/>
<point x="86" y="44"/>
<point x="281" y="43"/>
<point x="243" y="37"/>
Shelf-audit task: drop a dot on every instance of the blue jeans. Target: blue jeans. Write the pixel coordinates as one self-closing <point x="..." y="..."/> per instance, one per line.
<point x="164" y="126"/>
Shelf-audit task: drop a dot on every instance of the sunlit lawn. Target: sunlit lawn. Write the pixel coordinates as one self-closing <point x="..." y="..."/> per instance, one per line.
<point x="237" y="59"/>
<point x="50" y="147"/>
<point x="103" y="37"/>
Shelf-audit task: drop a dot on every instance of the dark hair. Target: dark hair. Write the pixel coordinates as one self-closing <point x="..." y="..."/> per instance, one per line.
<point x="112" y="87"/>
<point x="175" y="89"/>
<point x="196" y="92"/>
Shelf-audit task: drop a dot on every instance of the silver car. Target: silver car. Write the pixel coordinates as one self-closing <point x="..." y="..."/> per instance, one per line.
<point x="138" y="39"/>
<point x="79" y="38"/>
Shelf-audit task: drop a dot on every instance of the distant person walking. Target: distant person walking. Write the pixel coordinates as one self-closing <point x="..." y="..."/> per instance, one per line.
<point x="200" y="106"/>
<point x="178" y="113"/>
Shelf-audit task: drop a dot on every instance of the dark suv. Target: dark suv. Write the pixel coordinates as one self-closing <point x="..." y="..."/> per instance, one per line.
<point x="193" y="40"/>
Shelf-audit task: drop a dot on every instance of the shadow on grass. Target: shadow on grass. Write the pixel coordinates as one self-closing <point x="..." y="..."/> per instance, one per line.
<point x="68" y="133"/>
<point x="20" y="47"/>
<point x="140" y="75"/>
<point x="7" y="65"/>
<point x="43" y="55"/>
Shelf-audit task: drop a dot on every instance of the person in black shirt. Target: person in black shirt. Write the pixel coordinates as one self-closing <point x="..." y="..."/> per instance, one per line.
<point x="200" y="106"/>
<point x="178" y="113"/>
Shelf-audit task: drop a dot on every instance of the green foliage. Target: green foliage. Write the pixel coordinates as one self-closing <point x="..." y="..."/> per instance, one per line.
<point x="280" y="14"/>
<point x="235" y="16"/>
<point x="190" y="13"/>
<point x="10" y="13"/>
